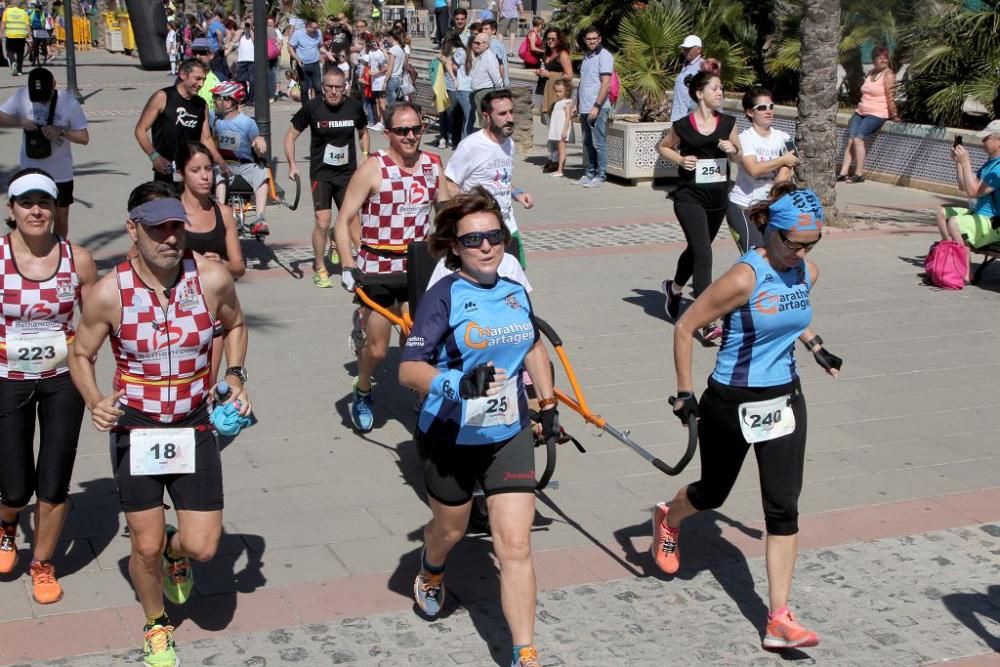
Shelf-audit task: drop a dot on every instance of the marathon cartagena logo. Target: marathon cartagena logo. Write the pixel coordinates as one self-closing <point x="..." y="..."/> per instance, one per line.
<point x="479" y="338"/>
<point x="772" y="304"/>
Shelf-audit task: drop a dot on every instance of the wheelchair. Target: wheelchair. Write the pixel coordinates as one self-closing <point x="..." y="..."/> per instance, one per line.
<point x="239" y="195"/>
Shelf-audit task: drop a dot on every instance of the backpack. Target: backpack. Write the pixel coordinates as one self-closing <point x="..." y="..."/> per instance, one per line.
<point x="615" y="89"/>
<point x="525" y="54"/>
<point x="946" y="265"/>
<point x="37" y="20"/>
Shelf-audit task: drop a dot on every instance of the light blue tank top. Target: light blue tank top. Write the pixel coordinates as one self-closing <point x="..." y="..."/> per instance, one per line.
<point x="758" y="340"/>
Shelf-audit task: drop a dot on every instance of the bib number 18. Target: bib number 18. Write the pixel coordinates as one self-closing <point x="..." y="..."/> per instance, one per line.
<point x="162" y="451"/>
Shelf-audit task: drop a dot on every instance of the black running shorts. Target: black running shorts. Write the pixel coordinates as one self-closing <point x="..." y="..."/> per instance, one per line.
<point x="327" y="193"/>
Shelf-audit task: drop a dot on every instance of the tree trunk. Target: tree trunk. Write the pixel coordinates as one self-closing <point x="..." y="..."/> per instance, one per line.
<point x="816" y="133"/>
<point x="524" y="120"/>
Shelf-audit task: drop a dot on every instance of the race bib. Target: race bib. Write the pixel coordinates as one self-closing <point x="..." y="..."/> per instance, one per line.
<point x="162" y="451"/>
<point x="499" y="410"/>
<point x="335" y="156"/>
<point x="230" y="141"/>
<point x="711" y="171"/>
<point x="767" y="420"/>
<point x="36" y="351"/>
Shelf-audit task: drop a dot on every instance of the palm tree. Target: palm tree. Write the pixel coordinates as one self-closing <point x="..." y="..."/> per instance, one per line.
<point x="572" y="16"/>
<point x="816" y="133"/>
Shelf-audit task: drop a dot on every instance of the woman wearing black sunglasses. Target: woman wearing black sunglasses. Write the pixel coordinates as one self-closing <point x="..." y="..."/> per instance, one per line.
<point x="473" y="336"/>
<point x="753" y="395"/>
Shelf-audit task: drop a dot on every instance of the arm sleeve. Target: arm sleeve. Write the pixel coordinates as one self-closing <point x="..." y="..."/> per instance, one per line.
<point x="431" y="327"/>
<point x="77" y="119"/>
<point x="457" y="169"/>
<point x="12" y="106"/>
<point x="300" y="121"/>
<point x="606" y="62"/>
<point x="990" y="177"/>
<point x="252" y="130"/>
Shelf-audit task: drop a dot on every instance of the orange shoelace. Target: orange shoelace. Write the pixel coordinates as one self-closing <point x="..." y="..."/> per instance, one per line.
<point x="431" y="582"/>
<point x="159" y="637"/>
<point x="43" y="573"/>
<point x="529" y="657"/>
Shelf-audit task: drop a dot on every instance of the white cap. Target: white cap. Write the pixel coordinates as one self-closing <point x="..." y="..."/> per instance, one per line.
<point x="992" y="128"/>
<point x="691" y="41"/>
<point x="33" y="182"/>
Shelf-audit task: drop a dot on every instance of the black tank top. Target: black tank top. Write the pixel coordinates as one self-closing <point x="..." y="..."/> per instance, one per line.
<point x="213" y="241"/>
<point x="712" y="196"/>
<point x="180" y="122"/>
<point x="552" y="66"/>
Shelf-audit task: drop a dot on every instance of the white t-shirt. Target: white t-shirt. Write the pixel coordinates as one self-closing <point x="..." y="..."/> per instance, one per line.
<point x="400" y="59"/>
<point x="479" y="160"/>
<point x="509" y="267"/>
<point x="69" y="116"/>
<point x="749" y="189"/>
<point x="376" y="61"/>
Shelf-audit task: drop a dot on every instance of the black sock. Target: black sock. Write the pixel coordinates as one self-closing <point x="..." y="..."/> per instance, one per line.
<point x="162" y="619"/>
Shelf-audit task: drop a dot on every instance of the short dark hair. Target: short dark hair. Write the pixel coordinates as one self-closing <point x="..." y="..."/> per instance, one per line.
<point x="402" y="105"/>
<point x="461" y="10"/>
<point x="189" y="64"/>
<point x="750" y="97"/>
<point x="880" y="50"/>
<point x="332" y="68"/>
<point x="494" y="26"/>
<point x="589" y="29"/>
<point x="476" y="200"/>
<point x="486" y="105"/>
<point x="149" y="191"/>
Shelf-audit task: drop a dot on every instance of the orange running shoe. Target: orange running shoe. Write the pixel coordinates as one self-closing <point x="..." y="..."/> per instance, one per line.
<point x="8" y="548"/>
<point x="664" y="549"/>
<point x="783" y="631"/>
<point x="527" y="657"/>
<point x="45" y="586"/>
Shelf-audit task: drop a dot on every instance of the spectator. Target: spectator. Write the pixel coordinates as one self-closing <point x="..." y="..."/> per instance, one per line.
<point x="30" y="108"/>
<point x="14" y="27"/>
<point x="173" y="52"/>
<point x="192" y="31"/>
<point x="560" y="127"/>
<point x="459" y="87"/>
<point x="496" y="45"/>
<point x="556" y="65"/>
<point x="460" y="17"/>
<point x="485" y="72"/>
<point x="216" y="33"/>
<point x="489" y="10"/>
<point x="378" y="64"/>
<point x="594" y="107"/>
<point x="244" y="59"/>
<point x="878" y="104"/>
<point x="441" y="21"/>
<point x="306" y="48"/>
<point x="510" y="15"/>
<point x="397" y="62"/>
<point x="975" y="227"/>
<point x="275" y="41"/>
<point x="682" y="102"/>
<point x="536" y="48"/>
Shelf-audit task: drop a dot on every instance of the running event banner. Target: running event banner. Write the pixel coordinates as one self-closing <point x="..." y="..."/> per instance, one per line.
<point x="149" y="26"/>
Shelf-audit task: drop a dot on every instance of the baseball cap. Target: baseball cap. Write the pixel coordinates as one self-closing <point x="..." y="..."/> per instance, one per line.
<point x="33" y="182"/>
<point x="41" y="84"/>
<point x="201" y="44"/>
<point x="158" y="211"/>
<point x="691" y="41"/>
<point x="992" y="128"/>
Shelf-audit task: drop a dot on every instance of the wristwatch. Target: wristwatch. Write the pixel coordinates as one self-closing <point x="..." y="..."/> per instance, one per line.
<point x="238" y="372"/>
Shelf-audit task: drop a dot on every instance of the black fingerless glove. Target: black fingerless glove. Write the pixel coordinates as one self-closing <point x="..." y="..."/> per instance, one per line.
<point x="550" y="424"/>
<point x="687" y="409"/>
<point x="475" y="383"/>
<point x="828" y="360"/>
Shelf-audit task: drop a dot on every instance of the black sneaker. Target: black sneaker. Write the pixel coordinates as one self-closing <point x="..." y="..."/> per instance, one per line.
<point x="549" y="167"/>
<point x="673" y="304"/>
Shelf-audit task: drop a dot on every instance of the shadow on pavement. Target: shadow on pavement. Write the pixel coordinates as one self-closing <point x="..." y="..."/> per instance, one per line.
<point x="651" y="302"/>
<point x="971" y="608"/>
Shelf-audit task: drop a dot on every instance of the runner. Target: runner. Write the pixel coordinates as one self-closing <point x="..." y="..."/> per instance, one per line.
<point x="767" y="159"/>
<point x="160" y="308"/>
<point x="486" y="158"/>
<point x="242" y="147"/>
<point x="394" y="192"/>
<point x="39" y="20"/>
<point x="701" y="144"/>
<point x="753" y="396"/>
<point x="332" y="120"/>
<point x="44" y="280"/>
<point x="175" y="116"/>
<point x="475" y="424"/>
<point x="14" y="28"/>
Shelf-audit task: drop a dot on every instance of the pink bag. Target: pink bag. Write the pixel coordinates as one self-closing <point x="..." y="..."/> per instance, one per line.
<point x="946" y="264"/>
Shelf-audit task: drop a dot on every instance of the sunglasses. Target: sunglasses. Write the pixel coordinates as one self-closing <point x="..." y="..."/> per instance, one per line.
<point x="329" y="87"/>
<point x="795" y="245"/>
<point x="764" y="107"/>
<point x="475" y="239"/>
<point x="417" y="130"/>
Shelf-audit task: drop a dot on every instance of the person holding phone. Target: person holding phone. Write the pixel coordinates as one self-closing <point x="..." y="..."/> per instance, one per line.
<point x="768" y="156"/>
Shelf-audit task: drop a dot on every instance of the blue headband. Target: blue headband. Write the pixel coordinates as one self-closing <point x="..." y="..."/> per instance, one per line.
<point x="798" y="211"/>
<point x="158" y="211"/>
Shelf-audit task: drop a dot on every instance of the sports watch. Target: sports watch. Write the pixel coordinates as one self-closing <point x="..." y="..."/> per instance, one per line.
<point x="238" y="372"/>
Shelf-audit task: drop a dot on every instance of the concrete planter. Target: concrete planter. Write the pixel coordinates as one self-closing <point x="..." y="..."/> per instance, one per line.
<point x="632" y="151"/>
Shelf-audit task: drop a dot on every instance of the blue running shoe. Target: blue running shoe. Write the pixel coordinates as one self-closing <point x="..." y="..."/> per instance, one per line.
<point x="362" y="410"/>
<point x="428" y="591"/>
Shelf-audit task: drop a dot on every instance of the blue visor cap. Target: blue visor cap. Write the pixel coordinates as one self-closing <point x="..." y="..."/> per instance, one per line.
<point x="799" y="211"/>
<point x="158" y="211"/>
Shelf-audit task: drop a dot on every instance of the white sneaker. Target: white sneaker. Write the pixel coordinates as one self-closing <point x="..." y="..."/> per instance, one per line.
<point x="583" y="180"/>
<point x="442" y="143"/>
<point x="556" y="174"/>
<point x="595" y="183"/>
<point x="378" y="127"/>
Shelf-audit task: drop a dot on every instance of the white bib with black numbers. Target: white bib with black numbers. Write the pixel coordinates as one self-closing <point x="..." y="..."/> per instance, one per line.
<point x="501" y="409"/>
<point x="162" y="451"/>
<point x="761" y="421"/>
<point x="711" y="171"/>
<point x="36" y="351"/>
<point x="335" y="156"/>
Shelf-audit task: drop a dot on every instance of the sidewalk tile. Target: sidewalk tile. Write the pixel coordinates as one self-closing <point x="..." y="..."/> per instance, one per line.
<point x="900" y="518"/>
<point x="62" y="635"/>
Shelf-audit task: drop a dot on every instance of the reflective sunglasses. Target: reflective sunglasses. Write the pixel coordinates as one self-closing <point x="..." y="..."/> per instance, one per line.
<point x="764" y="107"/>
<point x="330" y="87"/>
<point x="417" y="130"/>
<point x="795" y="245"/>
<point x="475" y="239"/>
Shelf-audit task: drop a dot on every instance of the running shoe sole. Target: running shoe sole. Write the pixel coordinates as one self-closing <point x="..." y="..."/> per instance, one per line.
<point x="665" y="287"/>
<point x="777" y="643"/>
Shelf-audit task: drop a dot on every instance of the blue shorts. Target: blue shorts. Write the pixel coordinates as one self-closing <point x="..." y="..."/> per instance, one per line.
<point x="863" y="127"/>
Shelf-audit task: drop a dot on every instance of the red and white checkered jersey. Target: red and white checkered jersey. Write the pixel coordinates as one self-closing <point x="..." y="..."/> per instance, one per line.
<point x="163" y="359"/>
<point x="398" y="214"/>
<point x="33" y="307"/>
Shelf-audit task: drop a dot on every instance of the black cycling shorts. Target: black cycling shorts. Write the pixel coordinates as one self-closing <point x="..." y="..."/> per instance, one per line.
<point x="59" y="409"/>
<point x="199" y="491"/>
<point x="451" y="471"/>
<point x="386" y="296"/>
<point x="325" y="192"/>
<point x="65" y="192"/>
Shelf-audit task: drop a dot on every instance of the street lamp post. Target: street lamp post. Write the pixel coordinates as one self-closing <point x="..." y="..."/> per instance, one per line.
<point x="262" y="95"/>
<point x="71" y="86"/>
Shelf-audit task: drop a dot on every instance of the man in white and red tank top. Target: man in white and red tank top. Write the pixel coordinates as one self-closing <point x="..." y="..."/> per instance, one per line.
<point x="394" y="190"/>
<point x="161" y="309"/>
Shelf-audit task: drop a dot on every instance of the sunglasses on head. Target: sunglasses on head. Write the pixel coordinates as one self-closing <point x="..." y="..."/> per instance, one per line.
<point x="417" y="130"/>
<point x="795" y="245"/>
<point x="475" y="239"/>
<point x="764" y="107"/>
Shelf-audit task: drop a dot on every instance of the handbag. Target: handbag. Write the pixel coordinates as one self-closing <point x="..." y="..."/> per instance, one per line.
<point x="36" y="146"/>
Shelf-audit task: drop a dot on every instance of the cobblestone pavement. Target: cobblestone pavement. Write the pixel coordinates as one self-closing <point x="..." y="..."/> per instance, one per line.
<point x="901" y="601"/>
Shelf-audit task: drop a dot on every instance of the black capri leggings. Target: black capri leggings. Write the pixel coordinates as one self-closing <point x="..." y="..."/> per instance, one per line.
<point x="700" y="227"/>
<point x="723" y="449"/>
<point x="59" y="409"/>
<point x="746" y="234"/>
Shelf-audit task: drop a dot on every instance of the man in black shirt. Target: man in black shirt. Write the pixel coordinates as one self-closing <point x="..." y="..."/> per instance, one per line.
<point x="332" y="120"/>
<point x="176" y="115"/>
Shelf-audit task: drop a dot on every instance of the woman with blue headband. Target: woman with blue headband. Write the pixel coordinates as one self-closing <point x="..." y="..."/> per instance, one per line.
<point x="753" y="395"/>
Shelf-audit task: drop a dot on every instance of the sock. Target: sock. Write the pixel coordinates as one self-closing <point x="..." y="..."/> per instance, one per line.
<point x="676" y="289"/>
<point x="159" y="618"/>
<point x="427" y="566"/>
<point x="360" y="391"/>
<point x="778" y="614"/>
<point x="517" y="652"/>
<point x="10" y="527"/>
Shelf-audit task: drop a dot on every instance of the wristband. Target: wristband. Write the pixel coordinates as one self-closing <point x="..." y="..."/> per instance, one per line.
<point x="517" y="191"/>
<point x="152" y="156"/>
<point x="814" y="341"/>
<point x="546" y="402"/>
<point x="446" y="385"/>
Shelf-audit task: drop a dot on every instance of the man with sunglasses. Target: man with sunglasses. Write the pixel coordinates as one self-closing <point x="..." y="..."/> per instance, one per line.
<point x="332" y="119"/>
<point x="393" y="192"/>
<point x="486" y="158"/>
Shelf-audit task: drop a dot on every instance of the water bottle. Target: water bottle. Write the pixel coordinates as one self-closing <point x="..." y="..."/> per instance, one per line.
<point x="222" y="392"/>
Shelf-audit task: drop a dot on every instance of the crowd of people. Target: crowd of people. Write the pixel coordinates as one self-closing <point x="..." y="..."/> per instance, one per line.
<point x="171" y="311"/>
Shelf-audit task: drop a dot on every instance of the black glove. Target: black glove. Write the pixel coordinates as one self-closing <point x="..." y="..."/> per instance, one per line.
<point x="687" y="409"/>
<point x="828" y="360"/>
<point x="475" y="383"/>
<point x="550" y="424"/>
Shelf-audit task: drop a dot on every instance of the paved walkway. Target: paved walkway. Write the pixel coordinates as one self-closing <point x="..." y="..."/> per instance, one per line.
<point x="322" y="525"/>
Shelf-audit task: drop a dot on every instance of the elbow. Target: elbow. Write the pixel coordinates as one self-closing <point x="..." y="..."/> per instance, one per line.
<point x="85" y="139"/>
<point x="238" y="272"/>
